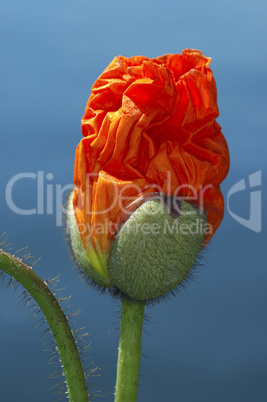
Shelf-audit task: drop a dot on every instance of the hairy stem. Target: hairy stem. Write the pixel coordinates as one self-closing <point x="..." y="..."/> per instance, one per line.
<point x="57" y="321"/>
<point x="132" y="314"/>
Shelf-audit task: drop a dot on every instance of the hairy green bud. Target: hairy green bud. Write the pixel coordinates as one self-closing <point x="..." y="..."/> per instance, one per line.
<point x="156" y="248"/>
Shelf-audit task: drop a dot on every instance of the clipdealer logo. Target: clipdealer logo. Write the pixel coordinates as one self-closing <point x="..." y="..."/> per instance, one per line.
<point x="49" y="197"/>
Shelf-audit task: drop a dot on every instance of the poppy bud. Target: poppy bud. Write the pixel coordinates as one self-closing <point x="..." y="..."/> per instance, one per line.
<point x="149" y="127"/>
<point x="151" y="254"/>
<point x="156" y="248"/>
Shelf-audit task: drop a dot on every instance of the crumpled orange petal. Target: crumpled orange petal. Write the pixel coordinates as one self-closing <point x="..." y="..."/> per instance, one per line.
<point x="149" y="126"/>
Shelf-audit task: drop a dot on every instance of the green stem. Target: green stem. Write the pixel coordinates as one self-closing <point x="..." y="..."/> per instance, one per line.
<point x="132" y="315"/>
<point x="57" y="321"/>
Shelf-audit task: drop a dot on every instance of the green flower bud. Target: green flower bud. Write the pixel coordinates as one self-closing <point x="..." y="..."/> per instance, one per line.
<point x="156" y="248"/>
<point x="152" y="253"/>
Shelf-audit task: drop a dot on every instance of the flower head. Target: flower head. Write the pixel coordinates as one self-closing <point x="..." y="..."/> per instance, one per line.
<point x="149" y="128"/>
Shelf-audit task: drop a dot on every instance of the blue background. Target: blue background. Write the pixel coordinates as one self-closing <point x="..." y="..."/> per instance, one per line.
<point x="209" y="343"/>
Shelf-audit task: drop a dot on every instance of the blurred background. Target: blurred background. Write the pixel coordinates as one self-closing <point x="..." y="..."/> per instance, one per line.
<point x="209" y="343"/>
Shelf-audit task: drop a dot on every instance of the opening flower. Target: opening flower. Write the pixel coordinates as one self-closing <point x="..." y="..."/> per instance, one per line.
<point x="149" y="128"/>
